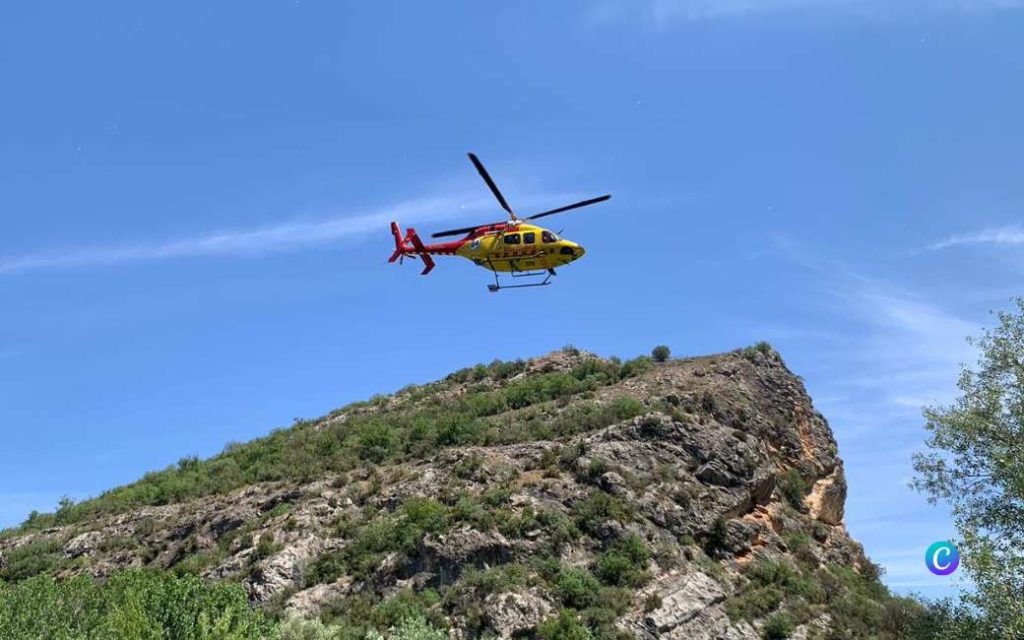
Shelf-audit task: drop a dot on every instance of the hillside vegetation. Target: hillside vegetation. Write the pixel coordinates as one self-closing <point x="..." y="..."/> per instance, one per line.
<point x="567" y="496"/>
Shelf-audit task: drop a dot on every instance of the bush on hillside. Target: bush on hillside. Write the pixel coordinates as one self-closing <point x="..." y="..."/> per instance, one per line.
<point x="129" y="606"/>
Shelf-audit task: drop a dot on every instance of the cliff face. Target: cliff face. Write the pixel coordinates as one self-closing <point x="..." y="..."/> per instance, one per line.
<point x="698" y="498"/>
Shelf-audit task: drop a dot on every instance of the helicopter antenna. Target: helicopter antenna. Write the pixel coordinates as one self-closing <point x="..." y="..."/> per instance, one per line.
<point x="490" y="183"/>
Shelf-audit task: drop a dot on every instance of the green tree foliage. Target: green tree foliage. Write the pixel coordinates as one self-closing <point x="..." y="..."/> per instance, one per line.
<point x="976" y="465"/>
<point x="135" y="605"/>
<point x="661" y="353"/>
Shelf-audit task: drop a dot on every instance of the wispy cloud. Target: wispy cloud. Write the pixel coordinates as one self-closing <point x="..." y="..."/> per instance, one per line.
<point x="665" y="12"/>
<point x="1002" y="236"/>
<point x="902" y="354"/>
<point x="254" y="241"/>
<point x="898" y="348"/>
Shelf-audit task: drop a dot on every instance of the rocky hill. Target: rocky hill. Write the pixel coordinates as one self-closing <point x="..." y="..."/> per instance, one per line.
<point x="568" y="494"/>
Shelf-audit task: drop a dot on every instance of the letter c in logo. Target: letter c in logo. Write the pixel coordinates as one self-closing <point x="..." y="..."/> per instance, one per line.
<point x="942" y="558"/>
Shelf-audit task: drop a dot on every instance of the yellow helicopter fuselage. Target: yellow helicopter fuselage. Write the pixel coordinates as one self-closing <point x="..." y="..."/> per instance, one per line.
<point x="522" y="247"/>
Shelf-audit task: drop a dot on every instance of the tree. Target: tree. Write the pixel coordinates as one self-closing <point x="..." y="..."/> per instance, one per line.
<point x="660" y="353"/>
<point x="976" y="465"/>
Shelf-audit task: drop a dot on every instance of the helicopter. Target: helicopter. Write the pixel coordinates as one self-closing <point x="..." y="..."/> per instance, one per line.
<point x="514" y="246"/>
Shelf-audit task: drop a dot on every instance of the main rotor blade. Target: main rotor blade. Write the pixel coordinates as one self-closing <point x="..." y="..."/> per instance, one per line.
<point x="456" y="232"/>
<point x="568" y="207"/>
<point x="490" y="183"/>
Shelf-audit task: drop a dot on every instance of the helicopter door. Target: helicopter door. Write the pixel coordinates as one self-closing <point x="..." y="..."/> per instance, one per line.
<point x="531" y="259"/>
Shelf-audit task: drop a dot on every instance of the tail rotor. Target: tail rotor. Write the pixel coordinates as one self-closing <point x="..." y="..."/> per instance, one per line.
<point x="410" y="246"/>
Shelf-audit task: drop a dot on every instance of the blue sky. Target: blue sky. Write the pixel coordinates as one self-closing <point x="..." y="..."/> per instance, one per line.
<point x="195" y="200"/>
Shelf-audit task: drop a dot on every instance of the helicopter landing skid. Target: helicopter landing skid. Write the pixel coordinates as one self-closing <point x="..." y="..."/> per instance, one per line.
<point x="497" y="286"/>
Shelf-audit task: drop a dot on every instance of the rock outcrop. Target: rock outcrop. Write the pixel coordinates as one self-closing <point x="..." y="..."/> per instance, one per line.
<point x="673" y="493"/>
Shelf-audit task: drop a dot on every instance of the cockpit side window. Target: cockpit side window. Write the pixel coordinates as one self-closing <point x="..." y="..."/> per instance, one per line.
<point x="547" y="237"/>
<point x="512" y="238"/>
<point x="529" y="237"/>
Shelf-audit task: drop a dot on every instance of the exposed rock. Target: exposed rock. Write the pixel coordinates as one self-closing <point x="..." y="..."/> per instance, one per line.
<point x="814" y="629"/>
<point x="83" y="544"/>
<point x="448" y="555"/>
<point x="681" y="600"/>
<point x="279" y="572"/>
<point x="309" y="602"/>
<point x="827" y="500"/>
<point x="510" y="614"/>
<point x="713" y="624"/>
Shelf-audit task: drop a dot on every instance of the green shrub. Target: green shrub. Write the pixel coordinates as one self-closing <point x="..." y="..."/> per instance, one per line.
<point x="768" y="571"/>
<point x="454" y="429"/>
<point x="633" y="547"/>
<point x="576" y="588"/>
<point x="754" y="603"/>
<point x="325" y="568"/>
<point x="651" y="602"/>
<point x="778" y="627"/>
<point x="708" y="402"/>
<point x="196" y="563"/>
<point x="750" y="353"/>
<point x="660" y="353"/>
<point x="635" y="367"/>
<point x="714" y="542"/>
<point x="425" y="514"/>
<point x="625" y="563"/>
<point x="416" y="628"/>
<point x="405" y="605"/>
<point x="564" y="626"/>
<point x="594" y="469"/>
<point x="558" y="526"/>
<point x="793" y="488"/>
<point x="506" y="577"/>
<point x="265" y="547"/>
<point x="610" y="604"/>
<point x="501" y="370"/>
<point x="297" y="628"/>
<point x="623" y="408"/>
<point x="599" y="507"/>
